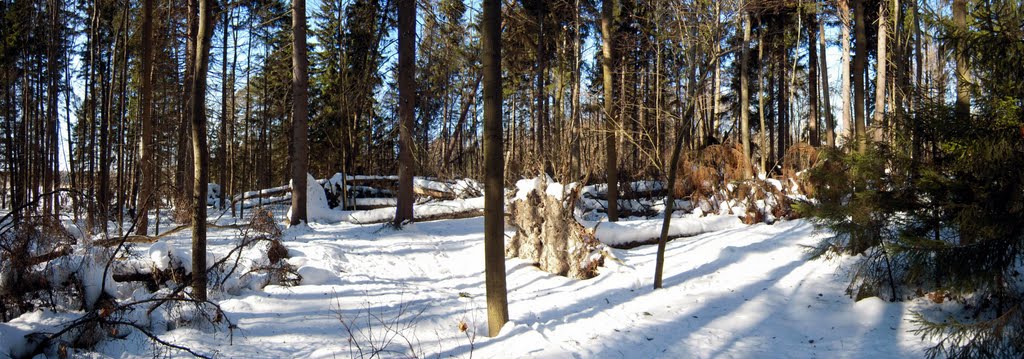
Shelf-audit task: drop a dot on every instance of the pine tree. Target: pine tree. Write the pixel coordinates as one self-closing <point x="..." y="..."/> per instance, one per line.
<point x="948" y="224"/>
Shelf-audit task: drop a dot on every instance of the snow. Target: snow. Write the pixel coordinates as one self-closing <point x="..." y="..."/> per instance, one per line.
<point x="212" y="194"/>
<point x="419" y="211"/>
<point x="732" y="291"/>
<point x="461" y="188"/>
<point x="13" y="340"/>
<point x="624" y="232"/>
<point x="317" y="209"/>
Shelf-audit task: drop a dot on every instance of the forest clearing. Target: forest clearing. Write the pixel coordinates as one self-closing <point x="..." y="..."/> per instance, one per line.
<point x="531" y="178"/>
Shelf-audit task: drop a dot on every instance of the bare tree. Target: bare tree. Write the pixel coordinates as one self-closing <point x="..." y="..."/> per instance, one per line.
<point x="300" y="129"/>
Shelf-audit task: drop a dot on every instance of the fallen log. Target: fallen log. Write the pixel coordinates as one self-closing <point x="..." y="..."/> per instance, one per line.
<point x="136" y="238"/>
<point x="471" y="213"/>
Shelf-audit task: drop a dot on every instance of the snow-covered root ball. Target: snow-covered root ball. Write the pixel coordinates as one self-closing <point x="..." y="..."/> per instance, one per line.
<point x="548" y="234"/>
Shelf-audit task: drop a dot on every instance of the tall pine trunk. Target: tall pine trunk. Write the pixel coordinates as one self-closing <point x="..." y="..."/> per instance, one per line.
<point x="494" y="202"/>
<point x="812" y="79"/>
<point x="745" y="93"/>
<point x="222" y="150"/>
<point x="880" y="81"/>
<point x="830" y="121"/>
<point x="611" y="128"/>
<point x="406" y="103"/>
<point x="963" y="90"/>
<point x="146" y="170"/>
<point x="859" y="59"/>
<point x="300" y="129"/>
<point x="844" y="20"/>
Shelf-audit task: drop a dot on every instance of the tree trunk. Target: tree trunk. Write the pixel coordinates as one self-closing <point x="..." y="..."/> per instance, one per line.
<point x="830" y="121"/>
<point x="844" y="20"/>
<point x="204" y="35"/>
<point x="859" y="59"/>
<point x="880" y="70"/>
<point x="963" y="90"/>
<point x="765" y="149"/>
<point x="494" y="202"/>
<point x="745" y="93"/>
<point x="145" y="149"/>
<point x="812" y="79"/>
<point x="407" y="101"/>
<point x="300" y="83"/>
<point x="611" y="128"/>
<point x="222" y="151"/>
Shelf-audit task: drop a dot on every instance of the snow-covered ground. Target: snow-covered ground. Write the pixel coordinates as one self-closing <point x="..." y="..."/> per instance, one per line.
<point x="744" y="292"/>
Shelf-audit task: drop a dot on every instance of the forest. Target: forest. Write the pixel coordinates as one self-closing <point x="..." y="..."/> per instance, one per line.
<point x="520" y="178"/>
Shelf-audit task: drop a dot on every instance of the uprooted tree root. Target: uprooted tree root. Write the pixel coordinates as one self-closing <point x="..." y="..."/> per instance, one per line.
<point x="548" y="234"/>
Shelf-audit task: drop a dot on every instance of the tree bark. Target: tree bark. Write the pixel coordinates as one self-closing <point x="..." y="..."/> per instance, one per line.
<point x="830" y="121"/>
<point x="407" y="101"/>
<point x="611" y="127"/>
<point x="745" y="93"/>
<point x="201" y="152"/>
<point x="844" y="20"/>
<point x="494" y="202"/>
<point x="812" y="79"/>
<point x="859" y="59"/>
<point x="145" y="148"/>
<point x="880" y="81"/>
<point x="222" y="151"/>
<point x="300" y="129"/>
<point x="765" y="149"/>
<point x="963" y="90"/>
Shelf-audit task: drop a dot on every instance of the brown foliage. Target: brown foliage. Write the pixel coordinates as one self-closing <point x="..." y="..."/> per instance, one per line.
<point x="797" y="160"/>
<point x="704" y="173"/>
